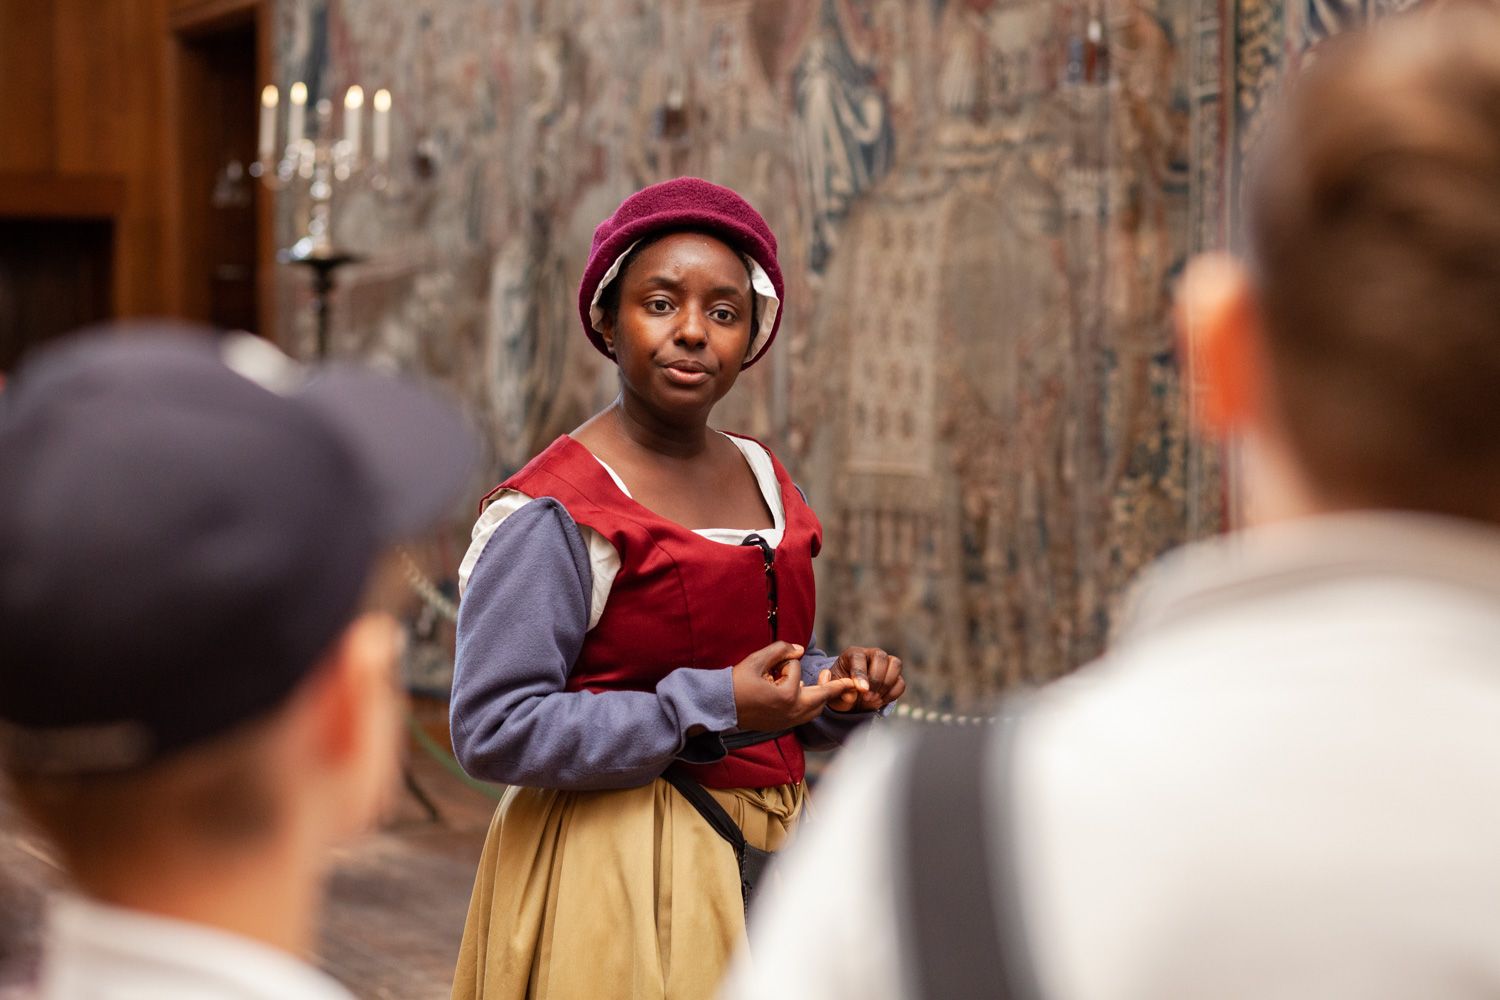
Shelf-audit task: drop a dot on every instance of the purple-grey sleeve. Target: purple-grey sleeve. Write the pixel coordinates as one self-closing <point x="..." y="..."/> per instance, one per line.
<point x="829" y="730"/>
<point x="521" y="626"/>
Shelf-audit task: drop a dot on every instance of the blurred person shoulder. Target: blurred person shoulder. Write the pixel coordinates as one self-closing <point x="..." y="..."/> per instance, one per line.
<point x="824" y="925"/>
<point x="1285" y="759"/>
<point x="1255" y="705"/>
<point x="101" y="951"/>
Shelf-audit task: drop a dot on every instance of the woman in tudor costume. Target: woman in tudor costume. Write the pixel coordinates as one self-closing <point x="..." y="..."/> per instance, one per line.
<point x="636" y="627"/>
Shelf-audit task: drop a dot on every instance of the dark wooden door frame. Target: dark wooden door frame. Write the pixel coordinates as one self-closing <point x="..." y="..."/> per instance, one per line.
<point x="183" y="25"/>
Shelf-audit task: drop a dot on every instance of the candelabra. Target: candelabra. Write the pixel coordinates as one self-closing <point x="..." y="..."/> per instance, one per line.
<point x="311" y="168"/>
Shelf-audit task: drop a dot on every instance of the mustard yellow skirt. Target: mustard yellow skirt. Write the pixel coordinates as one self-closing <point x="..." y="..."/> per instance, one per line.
<point x="614" y="895"/>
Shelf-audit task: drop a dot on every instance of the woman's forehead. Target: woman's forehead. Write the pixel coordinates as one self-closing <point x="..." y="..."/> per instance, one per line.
<point x="689" y="256"/>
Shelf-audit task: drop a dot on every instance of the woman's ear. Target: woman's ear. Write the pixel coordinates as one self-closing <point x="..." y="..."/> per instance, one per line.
<point x="607" y="332"/>
<point x="1220" y="344"/>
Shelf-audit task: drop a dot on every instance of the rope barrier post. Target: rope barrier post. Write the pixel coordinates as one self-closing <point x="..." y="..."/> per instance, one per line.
<point x="420" y="795"/>
<point x="447" y="761"/>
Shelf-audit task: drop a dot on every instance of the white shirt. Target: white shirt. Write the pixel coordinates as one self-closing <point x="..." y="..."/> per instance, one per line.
<point x="604" y="560"/>
<point x="1284" y="782"/>
<point x="100" y="952"/>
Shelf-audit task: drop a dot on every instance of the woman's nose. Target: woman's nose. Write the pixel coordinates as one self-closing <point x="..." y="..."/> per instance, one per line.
<point x="693" y="330"/>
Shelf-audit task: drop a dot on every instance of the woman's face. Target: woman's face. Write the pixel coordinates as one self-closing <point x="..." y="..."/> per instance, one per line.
<point x="683" y="326"/>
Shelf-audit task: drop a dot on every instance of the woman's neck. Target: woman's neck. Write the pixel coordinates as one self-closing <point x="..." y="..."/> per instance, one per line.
<point x="646" y="430"/>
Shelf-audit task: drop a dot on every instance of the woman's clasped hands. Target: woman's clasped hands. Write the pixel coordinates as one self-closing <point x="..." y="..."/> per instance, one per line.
<point x="876" y="675"/>
<point x="769" y="694"/>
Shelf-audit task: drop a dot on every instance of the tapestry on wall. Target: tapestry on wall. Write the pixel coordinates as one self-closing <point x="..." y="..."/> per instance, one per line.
<point x="981" y="207"/>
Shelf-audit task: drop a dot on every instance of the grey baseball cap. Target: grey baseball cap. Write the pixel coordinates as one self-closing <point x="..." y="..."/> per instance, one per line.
<point x="187" y="522"/>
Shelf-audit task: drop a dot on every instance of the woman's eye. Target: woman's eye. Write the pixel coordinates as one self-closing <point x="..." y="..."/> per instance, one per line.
<point x="723" y="315"/>
<point x="658" y="305"/>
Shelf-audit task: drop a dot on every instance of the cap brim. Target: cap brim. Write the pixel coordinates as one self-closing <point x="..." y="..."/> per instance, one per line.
<point x="417" y="450"/>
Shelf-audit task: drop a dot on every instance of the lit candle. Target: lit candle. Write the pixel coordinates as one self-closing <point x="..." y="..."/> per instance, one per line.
<point x="297" y="116"/>
<point x="382" y="137"/>
<point x="354" y="101"/>
<point x="269" y="98"/>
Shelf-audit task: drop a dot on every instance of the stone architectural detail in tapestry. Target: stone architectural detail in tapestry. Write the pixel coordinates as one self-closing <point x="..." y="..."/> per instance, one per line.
<point x="982" y="205"/>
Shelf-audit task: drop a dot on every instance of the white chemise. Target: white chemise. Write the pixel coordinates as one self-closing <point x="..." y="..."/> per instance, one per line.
<point x="604" y="561"/>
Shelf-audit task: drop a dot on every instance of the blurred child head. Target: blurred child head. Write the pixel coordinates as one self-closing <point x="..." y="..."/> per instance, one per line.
<point x="198" y="694"/>
<point x="312" y="772"/>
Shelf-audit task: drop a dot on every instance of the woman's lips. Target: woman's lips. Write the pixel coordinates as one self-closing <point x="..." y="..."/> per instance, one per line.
<point x="686" y="376"/>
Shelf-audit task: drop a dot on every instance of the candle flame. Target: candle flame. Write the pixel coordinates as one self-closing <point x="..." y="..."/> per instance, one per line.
<point x="299" y="93"/>
<point x="382" y="100"/>
<point x="355" y="97"/>
<point x="269" y="97"/>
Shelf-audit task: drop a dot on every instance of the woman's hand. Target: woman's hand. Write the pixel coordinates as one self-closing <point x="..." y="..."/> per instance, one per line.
<point x="876" y="675"/>
<point x="769" y="694"/>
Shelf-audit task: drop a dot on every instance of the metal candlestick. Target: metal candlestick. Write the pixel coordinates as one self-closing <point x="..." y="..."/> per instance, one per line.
<point x="322" y="266"/>
<point x="311" y="169"/>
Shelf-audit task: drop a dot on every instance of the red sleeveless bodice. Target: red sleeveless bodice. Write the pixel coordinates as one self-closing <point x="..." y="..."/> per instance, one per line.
<point x="681" y="600"/>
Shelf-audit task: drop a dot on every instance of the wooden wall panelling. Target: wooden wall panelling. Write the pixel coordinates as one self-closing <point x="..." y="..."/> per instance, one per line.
<point x="54" y="196"/>
<point x="87" y="99"/>
<point x="186" y="222"/>
<point x="107" y="61"/>
<point x="27" y="116"/>
<point x="193" y="27"/>
<point x="55" y="276"/>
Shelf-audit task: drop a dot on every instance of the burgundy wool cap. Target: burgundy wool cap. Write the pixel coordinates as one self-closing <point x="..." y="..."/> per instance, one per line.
<point x="686" y="202"/>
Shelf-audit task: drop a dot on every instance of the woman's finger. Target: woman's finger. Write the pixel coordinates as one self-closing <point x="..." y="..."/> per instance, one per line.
<point x="782" y="650"/>
<point x="843" y="701"/>
<point x="892" y="674"/>
<point x="789" y="674"/>
<point x="770" y="658"/>
<point x="897" y="690"/>
<point x="812" y="698"/>
<point x="879" y="666"/>
<point x="854" y="663"/>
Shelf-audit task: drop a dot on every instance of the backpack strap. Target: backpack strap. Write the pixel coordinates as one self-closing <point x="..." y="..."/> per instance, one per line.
<point x="963" y="932"/>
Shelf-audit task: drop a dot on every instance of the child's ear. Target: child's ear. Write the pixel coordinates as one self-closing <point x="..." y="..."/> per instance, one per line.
<point x="355" y="689"/>
<point x="357" y="717"/>
<point x="1219" y="343"/>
